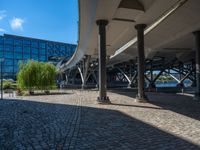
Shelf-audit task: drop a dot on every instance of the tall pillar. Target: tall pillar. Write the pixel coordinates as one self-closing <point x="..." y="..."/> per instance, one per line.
<point x="102" y="61"/>
<point x="141" y="62"/>
<point x="197" y="41"/>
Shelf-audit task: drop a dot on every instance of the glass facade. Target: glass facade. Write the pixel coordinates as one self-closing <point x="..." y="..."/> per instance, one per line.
<point x="16" y="49"/>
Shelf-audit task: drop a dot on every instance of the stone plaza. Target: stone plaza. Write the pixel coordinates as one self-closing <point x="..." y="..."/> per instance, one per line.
<point x="74" y="120"/>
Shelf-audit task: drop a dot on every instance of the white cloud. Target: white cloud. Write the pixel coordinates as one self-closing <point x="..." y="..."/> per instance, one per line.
<point x="2" y="30"/>
<point x="2" y="14"/>
<point x="17" y="24"/>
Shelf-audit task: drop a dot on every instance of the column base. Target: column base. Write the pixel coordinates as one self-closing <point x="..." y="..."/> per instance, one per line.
<point x="130" y="85"/>
<point x="103" y="100"/>
<point x="83" y="86"/>
<point x="141" y="99"/>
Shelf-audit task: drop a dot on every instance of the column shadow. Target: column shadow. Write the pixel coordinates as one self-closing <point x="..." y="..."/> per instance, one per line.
<point x="182" y="104"/>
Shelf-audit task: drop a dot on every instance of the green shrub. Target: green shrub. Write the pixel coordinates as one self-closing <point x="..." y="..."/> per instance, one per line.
<point x="36" y="76"/>
<point x="7" y="85"/>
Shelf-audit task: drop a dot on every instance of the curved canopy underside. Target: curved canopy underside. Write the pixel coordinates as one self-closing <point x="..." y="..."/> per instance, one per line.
<point x="170" y="24"/>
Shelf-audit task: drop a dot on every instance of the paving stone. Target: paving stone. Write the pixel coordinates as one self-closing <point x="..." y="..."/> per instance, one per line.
<point x="75" y="121"/>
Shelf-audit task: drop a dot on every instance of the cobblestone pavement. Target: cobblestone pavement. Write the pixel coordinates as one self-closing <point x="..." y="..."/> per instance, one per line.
<point x="75" y="121"/>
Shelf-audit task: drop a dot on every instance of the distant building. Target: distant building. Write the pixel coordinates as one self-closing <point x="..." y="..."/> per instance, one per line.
<point x="15" y="49"/>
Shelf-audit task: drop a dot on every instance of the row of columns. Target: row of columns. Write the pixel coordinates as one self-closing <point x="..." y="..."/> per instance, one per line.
<point x="103" y="98"/>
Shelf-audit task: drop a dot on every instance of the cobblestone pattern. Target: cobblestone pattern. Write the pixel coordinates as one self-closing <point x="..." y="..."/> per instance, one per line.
<point x="76" y="121"/>
<point x="126" y="124"/>
<point x="30" y="125"/>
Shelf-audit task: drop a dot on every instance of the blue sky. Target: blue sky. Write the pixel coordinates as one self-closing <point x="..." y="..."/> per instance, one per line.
<point x="55" y="20"/>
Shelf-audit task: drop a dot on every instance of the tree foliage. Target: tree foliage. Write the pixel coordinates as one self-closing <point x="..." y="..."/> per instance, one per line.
<point x="36" y="75"/>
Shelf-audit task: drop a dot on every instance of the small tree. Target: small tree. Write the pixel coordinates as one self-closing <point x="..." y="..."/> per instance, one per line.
<point x="36" y="75"/>
<point x="22" y="78"/>
<point x="48" y="74"/>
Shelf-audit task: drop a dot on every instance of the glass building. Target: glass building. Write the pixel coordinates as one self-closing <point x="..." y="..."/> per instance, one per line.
<point x="15" y="49"/>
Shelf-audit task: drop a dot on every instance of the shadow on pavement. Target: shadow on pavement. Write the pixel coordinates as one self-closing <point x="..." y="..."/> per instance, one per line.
<point x="51" y="93"/>
<point x="137" y="106"/>
<point x="181" y="104"/>
<point x="37" y="125"/>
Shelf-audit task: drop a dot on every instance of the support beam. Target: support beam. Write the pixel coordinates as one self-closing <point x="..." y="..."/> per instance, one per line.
<point x="197" y="41"/>
<point x="134" y="77"/>
<point x="141" y="62"/>
<point x="81" y="74"/>
<point x="152" y="85"/>
<point x="66" y="79"/>
<point x="174" y="77"/>
<point x="186" y="76"/>
<point x="165" y="66"/>
<point x="102" y="61"/>
<point x="149" y="80"/>
<point x="127" y="78"/>
<point x="86" y="62"/>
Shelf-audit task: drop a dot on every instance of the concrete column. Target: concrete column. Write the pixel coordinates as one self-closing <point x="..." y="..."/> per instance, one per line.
<point x="102" y="61"/>
<point x="141" y="62"/>
<point x="197" y="41"/>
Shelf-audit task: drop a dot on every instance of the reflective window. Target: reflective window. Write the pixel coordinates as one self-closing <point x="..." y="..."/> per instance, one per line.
<point x="18" y="55"/>
<point x="1" y="54"/>
<point x="8" y="41"/>
<point x="34" y="44"/>
<point x="27" y="42"/>
<point x="57" y="47"/>
<point x="8" y="54"/>
<point x="42" y="51"/>
<point x="56" y="53"/>
<point x="50" y="52"/>
<point x="67" y="47"/>
<point x="34" y="51"/>
<point x="8" y="48"/>
<point x="17" y="62"/>
<point x="8" y="62"/>
<point x="42" y="45"/>
<point x="27" y="49"/>
<point x="26" y="56"/>
<point x="50" y="46"/>
<point x="16" y="69"/>
<point x="1" y="40"/>
<point x="34" y="57"/>
<point x="62" y="47"/>
<point x="1" y="47"/>
<point x="8" y="68"/>
<point x="42" y="58"/>
<point x="18" y="49"/>
<point x="18" y="42"/>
